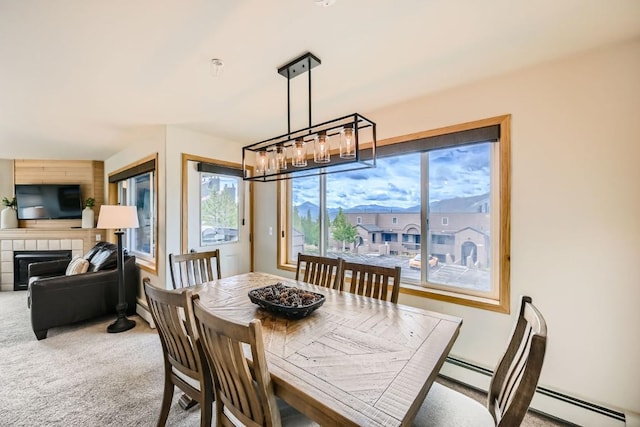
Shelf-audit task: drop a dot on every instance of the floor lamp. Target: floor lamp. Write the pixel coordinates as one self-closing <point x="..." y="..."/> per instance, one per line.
<point x="118" y="218"/>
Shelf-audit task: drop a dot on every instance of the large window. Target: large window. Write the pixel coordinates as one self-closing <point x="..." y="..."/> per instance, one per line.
<point x="136" y="185"/>
<point x="434" y="205"/>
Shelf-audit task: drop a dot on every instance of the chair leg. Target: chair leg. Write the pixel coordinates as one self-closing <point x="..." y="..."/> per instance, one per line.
<point x="186" y="402"/>
<point x="206" y="409"/>
<point x="41" y="334"/>
<point x="219" y="414"/>
<point x="167" y="396"/>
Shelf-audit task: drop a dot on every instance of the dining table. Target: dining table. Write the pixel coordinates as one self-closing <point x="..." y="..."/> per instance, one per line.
<point x="354" y="361"/>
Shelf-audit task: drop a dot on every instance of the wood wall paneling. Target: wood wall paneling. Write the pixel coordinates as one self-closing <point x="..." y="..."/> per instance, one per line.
<point x="88" y="173"/>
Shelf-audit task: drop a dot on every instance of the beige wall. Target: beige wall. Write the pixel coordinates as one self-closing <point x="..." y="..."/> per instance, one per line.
<point x="575" y="190"/>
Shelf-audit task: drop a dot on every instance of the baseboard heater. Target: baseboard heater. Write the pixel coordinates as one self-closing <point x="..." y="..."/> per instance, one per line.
<point x="615" y="417"/>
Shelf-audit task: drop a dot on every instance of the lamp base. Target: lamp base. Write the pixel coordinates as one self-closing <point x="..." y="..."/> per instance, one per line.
<point x="120" y="325"/>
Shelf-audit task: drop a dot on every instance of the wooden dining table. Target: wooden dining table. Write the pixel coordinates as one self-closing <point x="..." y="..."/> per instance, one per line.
<point x="355" y="361"/>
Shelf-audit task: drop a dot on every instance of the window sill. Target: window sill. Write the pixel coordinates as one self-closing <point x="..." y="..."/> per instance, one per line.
<point x="501" y="306"/>
<point x="148" y="266"/>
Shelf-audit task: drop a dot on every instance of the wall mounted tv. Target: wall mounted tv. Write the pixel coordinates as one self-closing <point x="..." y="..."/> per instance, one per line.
<point x="49" y="201"/>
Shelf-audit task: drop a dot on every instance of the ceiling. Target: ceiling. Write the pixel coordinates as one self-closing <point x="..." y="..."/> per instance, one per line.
<point x="78" y="75"/>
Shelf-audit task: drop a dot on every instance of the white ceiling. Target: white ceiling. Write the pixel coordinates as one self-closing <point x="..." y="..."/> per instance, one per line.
<point x="75" y="75"/>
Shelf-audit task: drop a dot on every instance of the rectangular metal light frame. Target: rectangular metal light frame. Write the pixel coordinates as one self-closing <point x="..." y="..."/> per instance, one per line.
<point x="365" y="151"/>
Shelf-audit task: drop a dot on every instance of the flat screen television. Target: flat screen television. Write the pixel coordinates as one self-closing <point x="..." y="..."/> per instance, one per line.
<point x="49" y="201"/>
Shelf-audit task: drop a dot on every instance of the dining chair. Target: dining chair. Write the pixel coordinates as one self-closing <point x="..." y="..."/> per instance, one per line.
<point x="194" y="268"/>
<point x="371" y="280"/>
<point x="319" y="270"/>
<point x="244" y="395"/>
<point x="513" y="383"/>
<point x="185" y="363"/>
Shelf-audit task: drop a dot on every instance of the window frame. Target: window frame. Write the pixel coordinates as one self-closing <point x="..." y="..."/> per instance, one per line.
<point x="502" y="303"/>
<point x="130" y="171"/>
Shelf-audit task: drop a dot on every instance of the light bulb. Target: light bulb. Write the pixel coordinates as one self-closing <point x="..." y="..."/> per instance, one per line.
<point x="347" y="142"/>
<point x="281" y="157"/>
<point x="273" y="161"/>
<point x="321" y="149"/>
<point x="299" y="153"/>
<point x="262" y="162"/>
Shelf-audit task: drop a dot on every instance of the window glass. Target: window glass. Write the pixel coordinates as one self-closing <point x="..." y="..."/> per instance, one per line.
<point x="459" y="188"/>
<point x="219" y="208"/>
<point x="304" y="224"/>
<point x="139" y="191"/>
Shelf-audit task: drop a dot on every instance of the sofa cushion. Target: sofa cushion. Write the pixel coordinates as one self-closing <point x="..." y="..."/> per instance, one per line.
<point x="77" y="265"/>
<point x="97" y="247"/>
<point x="104" y="259"/>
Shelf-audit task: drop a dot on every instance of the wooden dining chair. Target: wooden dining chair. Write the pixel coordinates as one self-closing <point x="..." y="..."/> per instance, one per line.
<point x="185" y="362"/>
<point x="194" y="268"/>
<point x="513" y="383"/>
<point x="371" y="280"/>
<point x="319" y="270"/>
<point x="244" y="395"/>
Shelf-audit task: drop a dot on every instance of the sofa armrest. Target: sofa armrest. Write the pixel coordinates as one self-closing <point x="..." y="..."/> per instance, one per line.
<point x="48" y="268"/>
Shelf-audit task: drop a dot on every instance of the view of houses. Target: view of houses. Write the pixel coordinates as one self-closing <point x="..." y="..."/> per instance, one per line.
<point x="459" y="243"/>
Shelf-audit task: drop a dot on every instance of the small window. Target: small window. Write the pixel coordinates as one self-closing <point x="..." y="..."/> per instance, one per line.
<point x="445" y="220"/>
<point x="136" y="185"/>
<point x="358" y="220"/>
<point x="394" y="220"/>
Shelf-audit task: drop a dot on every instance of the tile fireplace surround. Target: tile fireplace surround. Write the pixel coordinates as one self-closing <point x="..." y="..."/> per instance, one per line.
<point x="78" y="241"/>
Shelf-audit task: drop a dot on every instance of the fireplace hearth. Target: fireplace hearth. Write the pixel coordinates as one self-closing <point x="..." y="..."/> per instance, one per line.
<point x="22" y="259"/>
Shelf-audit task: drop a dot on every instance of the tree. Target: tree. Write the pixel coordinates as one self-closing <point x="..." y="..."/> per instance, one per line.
<point x="220" y="210"/>
<point x="311" y="230"/>
<point x="342" y="230"/>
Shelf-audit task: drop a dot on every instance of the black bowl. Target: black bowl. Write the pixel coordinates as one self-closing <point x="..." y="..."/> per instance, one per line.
<point x="288" y="311"/>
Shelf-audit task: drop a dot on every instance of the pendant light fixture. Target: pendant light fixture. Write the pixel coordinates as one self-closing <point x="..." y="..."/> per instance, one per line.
<point x="339" y="145"/>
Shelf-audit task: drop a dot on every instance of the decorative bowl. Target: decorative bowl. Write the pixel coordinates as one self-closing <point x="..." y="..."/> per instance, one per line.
<point x="288" y="301"/>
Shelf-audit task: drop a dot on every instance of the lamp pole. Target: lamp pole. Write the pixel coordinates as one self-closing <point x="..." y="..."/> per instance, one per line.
<point x="122" y="323"/>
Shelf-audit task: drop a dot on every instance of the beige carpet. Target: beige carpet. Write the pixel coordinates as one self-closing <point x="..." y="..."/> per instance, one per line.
<point x="82" y="376"/>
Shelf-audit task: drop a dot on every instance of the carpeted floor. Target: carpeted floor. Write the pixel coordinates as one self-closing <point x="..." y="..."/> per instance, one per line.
<point x="82" y="376"/>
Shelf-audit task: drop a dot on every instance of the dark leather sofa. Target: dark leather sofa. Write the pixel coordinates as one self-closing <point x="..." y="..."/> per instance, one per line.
<point x="56" y="299"/>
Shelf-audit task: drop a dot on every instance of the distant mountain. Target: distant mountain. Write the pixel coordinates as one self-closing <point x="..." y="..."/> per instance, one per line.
<point x="479" y="203"/>
<point x="313" y="210"/>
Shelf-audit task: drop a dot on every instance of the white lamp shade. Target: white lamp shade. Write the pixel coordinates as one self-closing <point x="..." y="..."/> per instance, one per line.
<point x="116" y="216"/>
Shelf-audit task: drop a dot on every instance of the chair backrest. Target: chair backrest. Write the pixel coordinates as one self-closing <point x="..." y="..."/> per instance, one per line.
<point x="253" y="404"/>
<point x="318" y="270"/>
<point x="371" y="280"/>
<point x="516" y="376"/>
<point x="172" y="313"/>
<point x="194" y="268"/>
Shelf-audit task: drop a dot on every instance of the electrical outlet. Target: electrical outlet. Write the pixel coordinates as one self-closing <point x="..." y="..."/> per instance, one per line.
<point x="270" y="231"/>
<point x="98" y="237"/>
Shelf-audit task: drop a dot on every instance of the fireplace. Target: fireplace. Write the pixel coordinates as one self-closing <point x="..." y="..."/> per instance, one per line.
<point x="22" y="259"/>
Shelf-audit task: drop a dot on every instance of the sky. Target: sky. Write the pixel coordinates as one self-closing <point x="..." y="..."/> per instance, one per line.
<point x="395" y="182"/>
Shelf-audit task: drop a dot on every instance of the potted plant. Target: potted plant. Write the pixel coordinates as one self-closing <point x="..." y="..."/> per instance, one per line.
<point x="9" y="215"/>
<point x="87" y="213"/>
